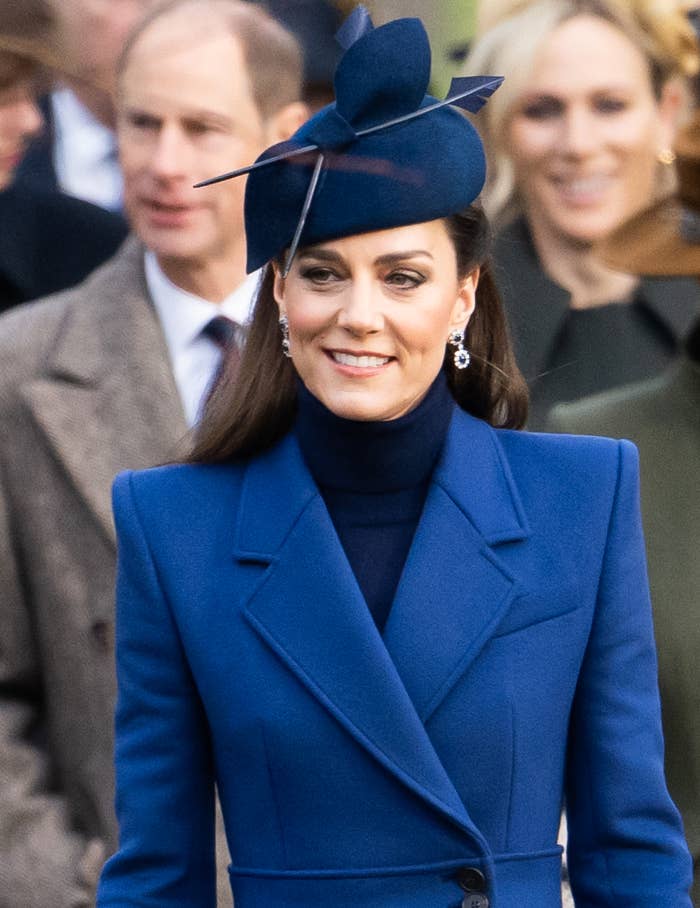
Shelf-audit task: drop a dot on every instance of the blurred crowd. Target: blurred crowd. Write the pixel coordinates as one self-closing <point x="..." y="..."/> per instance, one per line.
<point x="121" y="286"/>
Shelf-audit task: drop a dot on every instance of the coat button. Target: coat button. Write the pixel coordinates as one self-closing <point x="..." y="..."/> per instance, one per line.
<point x="471" y="879"/>
<point x="475" y="900"/>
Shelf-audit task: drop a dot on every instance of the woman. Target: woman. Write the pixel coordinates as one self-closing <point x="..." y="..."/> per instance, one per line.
<point x="392" y="634"/>
<point x="661" y="417"/>
<point x="580" y="138"/>
<point x="35" y="258"/>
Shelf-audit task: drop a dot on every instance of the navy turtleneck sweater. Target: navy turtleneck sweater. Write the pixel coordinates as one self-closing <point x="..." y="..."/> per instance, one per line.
<point x="374" y="477"/>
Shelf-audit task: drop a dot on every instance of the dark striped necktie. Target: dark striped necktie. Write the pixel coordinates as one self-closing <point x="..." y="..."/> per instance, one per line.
<point x="223" y="331"/>
<point x="228" y="336"/>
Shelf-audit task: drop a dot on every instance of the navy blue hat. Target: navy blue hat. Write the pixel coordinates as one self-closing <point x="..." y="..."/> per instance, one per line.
<point x="383" y="155"/>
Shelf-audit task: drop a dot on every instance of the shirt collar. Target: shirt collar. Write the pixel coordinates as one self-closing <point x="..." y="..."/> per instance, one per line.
<point x="79" y="129"/>
<point x="183" y="315"/>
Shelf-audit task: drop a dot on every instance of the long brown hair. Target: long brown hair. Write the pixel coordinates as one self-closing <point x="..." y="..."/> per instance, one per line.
<point x="248" y="412"/>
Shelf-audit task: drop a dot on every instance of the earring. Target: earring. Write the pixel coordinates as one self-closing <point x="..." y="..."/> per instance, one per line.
<point x="461" y="356"/>
<point x="666" y="157"/>
<point x="284" y="328"/>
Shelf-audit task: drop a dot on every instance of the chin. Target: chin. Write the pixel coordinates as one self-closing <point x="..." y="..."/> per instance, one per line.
<point x="360" y="408"/>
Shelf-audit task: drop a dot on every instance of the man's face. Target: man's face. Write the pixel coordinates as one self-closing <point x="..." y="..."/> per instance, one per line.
<point x="185" y="113"/>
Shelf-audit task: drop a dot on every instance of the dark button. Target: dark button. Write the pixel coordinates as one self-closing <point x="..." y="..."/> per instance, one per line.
<point x="471" y="879"/>
<point x="475" y="900"/>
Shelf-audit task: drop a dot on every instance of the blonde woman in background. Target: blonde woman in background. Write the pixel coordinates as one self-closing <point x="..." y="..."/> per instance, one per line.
<point x="580" y="140"/>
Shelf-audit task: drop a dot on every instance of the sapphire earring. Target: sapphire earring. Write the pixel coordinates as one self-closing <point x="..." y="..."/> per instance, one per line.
<point x="461" y="356"/>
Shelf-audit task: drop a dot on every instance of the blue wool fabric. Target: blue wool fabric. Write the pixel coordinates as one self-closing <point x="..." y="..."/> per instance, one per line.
<point x="374" y="477"/>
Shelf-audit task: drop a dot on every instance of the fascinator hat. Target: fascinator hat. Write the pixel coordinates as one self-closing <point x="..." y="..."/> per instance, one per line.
<point x="384" y="154"/>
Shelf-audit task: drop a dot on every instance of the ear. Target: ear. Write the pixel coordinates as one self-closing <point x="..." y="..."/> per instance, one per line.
<point x="671" y="105"/>
<point x="278" y="288"/>
<point x="281" y="125"/>
<point x="465" y="302"/>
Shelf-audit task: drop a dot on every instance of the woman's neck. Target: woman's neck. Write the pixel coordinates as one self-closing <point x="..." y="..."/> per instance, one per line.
<point x="575" y="267"/>
<point x="374" y="457"/>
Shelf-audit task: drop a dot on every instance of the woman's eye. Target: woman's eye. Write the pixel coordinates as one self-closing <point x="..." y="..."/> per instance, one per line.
<point x="405" y="280"/>
<point x="319" y="275"/>
<point x="542" y="109"/>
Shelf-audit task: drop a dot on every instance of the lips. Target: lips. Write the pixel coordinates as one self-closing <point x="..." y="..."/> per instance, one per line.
<point x="168" y="214"/>
<point x="167" y="207"/>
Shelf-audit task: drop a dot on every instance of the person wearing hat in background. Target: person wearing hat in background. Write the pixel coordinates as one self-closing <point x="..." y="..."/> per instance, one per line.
<point x="390" y="627"/>
<point x="580" y="141"/>
<point x="662" y="417"/>
<point x="47" y="241"/>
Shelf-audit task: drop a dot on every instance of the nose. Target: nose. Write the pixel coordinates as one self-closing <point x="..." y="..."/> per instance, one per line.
<point x="579" y="133"/>
<point x="170" y="155"/>
<point x="361" y="313"/>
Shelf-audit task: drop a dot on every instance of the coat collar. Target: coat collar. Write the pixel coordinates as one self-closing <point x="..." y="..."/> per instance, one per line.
<point x="107" y="400"/>
<point x="454" y="591"/>
<point x="536" y="326"/>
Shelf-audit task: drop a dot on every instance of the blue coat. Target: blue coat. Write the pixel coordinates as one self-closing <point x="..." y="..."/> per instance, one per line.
<point x="361" y="771"/>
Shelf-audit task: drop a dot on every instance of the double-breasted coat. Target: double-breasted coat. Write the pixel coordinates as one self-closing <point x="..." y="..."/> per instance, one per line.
<point x="414" y="769"/>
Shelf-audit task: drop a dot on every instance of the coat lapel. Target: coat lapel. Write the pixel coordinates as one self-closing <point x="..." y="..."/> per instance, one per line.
<point x="107" y="400"/>
<point x="454" y="589"/>
<point x="310" y="611"/>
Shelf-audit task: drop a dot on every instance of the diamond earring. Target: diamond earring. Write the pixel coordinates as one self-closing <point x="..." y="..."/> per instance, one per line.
<point x="461" y="357"/>
<point x="284" y="328"/>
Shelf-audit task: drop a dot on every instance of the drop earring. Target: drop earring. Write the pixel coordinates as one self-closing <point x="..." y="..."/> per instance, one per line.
<point x="284" y="328"/>
<point x="461" y="357"/>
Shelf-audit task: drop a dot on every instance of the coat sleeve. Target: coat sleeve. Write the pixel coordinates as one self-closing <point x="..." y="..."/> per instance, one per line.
<point x="43" y="859"/>
<point x="164" y="771"/>
<point x="626" y="845"/>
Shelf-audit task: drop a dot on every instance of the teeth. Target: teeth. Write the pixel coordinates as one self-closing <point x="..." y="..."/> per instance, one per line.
<point x="361" y="362"/>
<point x="585" y="186"/>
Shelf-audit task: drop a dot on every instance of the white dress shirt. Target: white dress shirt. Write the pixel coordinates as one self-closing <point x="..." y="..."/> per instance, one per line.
<point x="85" y="153"/>
<point x="195" y="358"/>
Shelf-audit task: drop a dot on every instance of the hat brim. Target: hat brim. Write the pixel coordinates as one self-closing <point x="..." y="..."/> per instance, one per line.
<point x="652" y="244"/>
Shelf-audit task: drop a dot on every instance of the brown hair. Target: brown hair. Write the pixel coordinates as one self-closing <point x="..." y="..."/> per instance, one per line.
<point x="26" y="41"/>
<point x="272" y="54"/>
<point x="248" y="412"/>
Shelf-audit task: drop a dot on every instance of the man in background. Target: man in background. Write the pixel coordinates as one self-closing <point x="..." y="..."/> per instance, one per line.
<point x="105" y="377"/>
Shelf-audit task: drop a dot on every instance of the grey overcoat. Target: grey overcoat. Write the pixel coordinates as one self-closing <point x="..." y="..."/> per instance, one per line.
<point x="86" y="389"/>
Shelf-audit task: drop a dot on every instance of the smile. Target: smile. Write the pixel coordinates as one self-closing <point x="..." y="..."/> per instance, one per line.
<point x="360" y="362"/>
<point x="583" y="188"/>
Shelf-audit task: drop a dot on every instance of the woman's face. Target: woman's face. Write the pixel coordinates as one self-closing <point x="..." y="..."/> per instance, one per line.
<point x="19" y="121"/>
<point x="369" y="316"/>
<point x="585" y="133"/>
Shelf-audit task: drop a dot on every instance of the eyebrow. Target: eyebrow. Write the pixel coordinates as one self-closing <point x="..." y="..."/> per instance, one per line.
<point x="194" y="115"/>
<point x="328" y="255"/>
